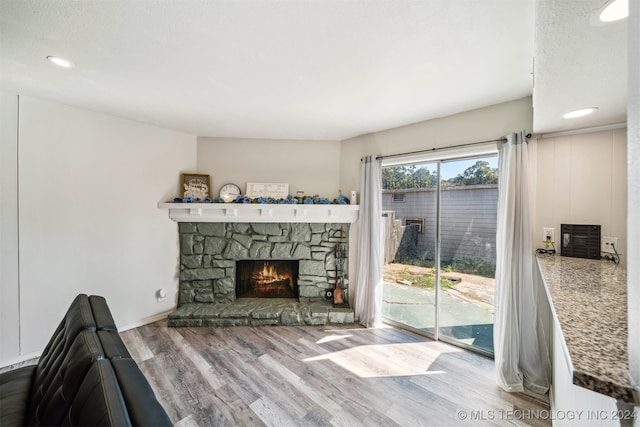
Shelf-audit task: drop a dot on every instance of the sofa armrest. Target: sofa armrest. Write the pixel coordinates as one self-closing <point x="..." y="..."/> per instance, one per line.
<point x="102" y="314"/>
<point x="113" y="345"/>
<point x="144" y="409"/>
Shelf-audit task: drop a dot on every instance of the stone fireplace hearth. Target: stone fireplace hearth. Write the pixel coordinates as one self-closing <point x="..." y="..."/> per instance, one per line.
<point x="209" y="252"/>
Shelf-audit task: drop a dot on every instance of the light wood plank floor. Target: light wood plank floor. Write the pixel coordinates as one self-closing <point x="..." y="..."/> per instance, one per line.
<point x="322" y="376"/>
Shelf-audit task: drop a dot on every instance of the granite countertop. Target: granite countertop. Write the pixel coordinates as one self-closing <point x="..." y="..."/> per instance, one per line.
<point x="589" y="300"/>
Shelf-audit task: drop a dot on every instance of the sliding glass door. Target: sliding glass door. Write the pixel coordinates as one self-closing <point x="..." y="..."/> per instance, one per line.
<point x="468" y="218"/>
<point x="409" y="217"/>
<point x="440" y="226"/>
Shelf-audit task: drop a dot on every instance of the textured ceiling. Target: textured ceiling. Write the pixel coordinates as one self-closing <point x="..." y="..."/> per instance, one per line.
<point x="579" y="63"/>
<point x="288" y="69"/>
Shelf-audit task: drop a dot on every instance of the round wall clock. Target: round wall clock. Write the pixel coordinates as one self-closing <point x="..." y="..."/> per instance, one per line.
<point x="229" y="192"/>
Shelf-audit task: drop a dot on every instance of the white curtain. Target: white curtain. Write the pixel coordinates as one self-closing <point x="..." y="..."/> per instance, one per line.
<point x="368" y="269"/>
<point x="521" y="356"/>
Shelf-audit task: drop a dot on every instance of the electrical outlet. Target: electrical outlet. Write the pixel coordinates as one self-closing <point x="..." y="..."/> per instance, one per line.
<point x="549" y="233"/>
<point x="608" y="243"/>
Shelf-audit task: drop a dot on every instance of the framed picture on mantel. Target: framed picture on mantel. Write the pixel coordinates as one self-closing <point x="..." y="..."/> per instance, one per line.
<point x="195" y="185"/>
<point x="267" y="189"/>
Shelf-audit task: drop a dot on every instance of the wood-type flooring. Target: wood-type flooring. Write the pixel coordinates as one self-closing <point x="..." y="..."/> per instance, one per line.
<point x="322" y="376"/>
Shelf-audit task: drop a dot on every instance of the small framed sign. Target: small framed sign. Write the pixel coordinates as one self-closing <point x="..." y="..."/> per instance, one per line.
<point x="195" y="185"/>
<point x="266" y="189"/>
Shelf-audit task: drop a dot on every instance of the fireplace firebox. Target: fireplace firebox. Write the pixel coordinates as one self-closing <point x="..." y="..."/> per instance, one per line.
<point x="267" y="278"/>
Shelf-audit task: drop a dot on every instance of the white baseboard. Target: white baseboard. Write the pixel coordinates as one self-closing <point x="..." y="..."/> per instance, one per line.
<point x="146" y="321"/>
<point x="29" y="356"/>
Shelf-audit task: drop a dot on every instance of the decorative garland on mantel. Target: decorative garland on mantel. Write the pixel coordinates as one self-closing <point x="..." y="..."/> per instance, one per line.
<point x="289" y="200"/>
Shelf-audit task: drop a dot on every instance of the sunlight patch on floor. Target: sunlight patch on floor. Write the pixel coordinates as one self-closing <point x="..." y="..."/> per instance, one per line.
<point x="386" y="360"/>
<point x="330" y="338"/>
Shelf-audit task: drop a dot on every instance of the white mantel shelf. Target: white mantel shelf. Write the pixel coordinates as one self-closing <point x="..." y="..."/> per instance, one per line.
<point x="237" y="212"/>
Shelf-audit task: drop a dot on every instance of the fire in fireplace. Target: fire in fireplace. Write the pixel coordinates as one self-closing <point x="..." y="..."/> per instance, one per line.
<point x="267" y="278"/>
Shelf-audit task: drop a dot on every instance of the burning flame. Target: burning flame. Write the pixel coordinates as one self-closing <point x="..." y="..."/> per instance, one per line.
<point x="269" y="274"/>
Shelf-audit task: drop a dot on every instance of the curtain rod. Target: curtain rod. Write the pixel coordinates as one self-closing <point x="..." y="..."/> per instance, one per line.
<point x="438" y="149"/>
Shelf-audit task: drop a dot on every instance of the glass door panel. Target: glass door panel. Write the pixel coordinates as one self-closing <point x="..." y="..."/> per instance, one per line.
<point x="446" y="290"/>
<point x="409" y="218"/>
<point x="468" y="217"/>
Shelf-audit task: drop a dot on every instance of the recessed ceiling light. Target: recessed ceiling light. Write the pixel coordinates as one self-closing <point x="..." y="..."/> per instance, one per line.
<point x="615" y="10"/>
<point x="580" y="113"/>
<point x="60" y="62"/>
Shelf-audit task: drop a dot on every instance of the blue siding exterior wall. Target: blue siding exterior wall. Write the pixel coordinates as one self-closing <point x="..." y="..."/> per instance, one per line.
<point x="468" y="220"/>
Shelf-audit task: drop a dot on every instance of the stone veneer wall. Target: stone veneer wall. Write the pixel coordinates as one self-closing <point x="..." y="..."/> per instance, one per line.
<point x="208" y="252"/>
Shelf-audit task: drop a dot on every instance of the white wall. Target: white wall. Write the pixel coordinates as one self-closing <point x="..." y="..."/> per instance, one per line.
<point x="309" y="166"/>
<point x="9" y="292"/>
<point x="472" y="126"/>
<point x="582" y="179"/>
<point x="89" y="185"/>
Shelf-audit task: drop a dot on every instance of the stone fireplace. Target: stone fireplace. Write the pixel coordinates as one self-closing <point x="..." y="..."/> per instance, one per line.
<point x="209" y="252"/>
<point x="214" y="251"/>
